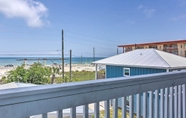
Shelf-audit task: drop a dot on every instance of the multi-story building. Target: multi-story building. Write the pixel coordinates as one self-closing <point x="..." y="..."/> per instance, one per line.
<point x="177" y="47"/>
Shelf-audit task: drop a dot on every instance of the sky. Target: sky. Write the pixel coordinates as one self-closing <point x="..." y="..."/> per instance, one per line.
<point x="34" y="27"/>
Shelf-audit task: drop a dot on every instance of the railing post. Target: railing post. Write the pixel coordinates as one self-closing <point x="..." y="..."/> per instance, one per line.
<point x="60" y="114"/>
<point x="175" y="102"/>
<point x="85" y="111"/>
<point x="44" y="115"/>
<point x="73" y="112"/>
<point x="107" y="109"/>
<point x="123" y="101"/>
<point x="150" y="104"/>
<point x="145" y="105"/>
<point x="184" y="100"/>
<point x="138" y="113"/>
<point x="131" y="106"/>
<point x="166" y="103"/>
<point x="179" y="101"/>
<point x="96" y="110"/>
<point x="162" y="103"/>
<point x="115" y="108"/>
<point x="156" y="103"/>
<point x="171" y="103"/>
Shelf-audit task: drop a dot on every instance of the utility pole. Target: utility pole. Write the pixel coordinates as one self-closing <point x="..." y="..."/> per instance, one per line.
<point x="63" y="56"/>
<point x="93" y="54"/>
<point x="117" y="51"/>
<point x="70" y="65"/>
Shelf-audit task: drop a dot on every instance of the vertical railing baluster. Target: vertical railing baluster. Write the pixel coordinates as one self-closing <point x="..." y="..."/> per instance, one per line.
<point x="115" y="108"/>
<point x="85" y="111"/>
<point x="96" y="110"/>
<point x="44" y="115"/>
<point x="184" y="100"/>
<point x="73" y="112"/>
<point x="150" y="104"/>
<point x="138" y="114"/>
<point x="123" y="101"/>
<point x="166" y="103"/>
<point x="175" y="102"/>
<point x="60" y="114"/>
<point x="107" y="109"/>
<point x="131" y="106"/>
<point x="179" y="101"/>
<point x="171" y="103"/>
<point x="161" y="103"/>
<point x="156" y="104"/>
<point x="145" y="105"/>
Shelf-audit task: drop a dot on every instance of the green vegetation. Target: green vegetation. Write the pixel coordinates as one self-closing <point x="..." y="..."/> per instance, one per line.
<point x="39" y="74"/>
<point x="102" y="113"/>
<point x="36" y="74"/>
<point x="77" y="76"/>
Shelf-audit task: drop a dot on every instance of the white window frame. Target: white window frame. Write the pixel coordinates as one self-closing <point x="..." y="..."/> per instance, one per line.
<point x="124" y="72"/>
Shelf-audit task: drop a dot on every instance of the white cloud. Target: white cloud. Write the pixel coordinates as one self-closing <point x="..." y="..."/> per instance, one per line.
<point x="31" y="11"/>
<point x="148" y="12"/>
<point x="181" y="17"/>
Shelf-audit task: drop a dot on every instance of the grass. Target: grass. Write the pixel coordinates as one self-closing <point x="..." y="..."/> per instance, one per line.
<point x="78" y="76"/>
<point x="111" y="114"/>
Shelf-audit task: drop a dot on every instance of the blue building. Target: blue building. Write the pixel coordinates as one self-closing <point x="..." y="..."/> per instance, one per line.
<point x="141" y="61"/>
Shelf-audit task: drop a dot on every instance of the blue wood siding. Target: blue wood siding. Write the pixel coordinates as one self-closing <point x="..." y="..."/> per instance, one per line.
<point x="117" y="71"/>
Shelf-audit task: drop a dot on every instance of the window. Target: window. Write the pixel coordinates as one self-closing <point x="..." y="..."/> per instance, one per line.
<point x="126" y="72"/>
<point x="180" y="51"/>
<point x="180" y="46"/>
<point x="185" y="44"/>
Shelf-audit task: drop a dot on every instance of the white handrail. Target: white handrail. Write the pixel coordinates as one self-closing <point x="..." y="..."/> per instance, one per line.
<point x="24" y="102"/>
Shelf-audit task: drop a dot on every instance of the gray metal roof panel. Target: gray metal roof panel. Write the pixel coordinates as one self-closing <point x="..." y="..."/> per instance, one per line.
<point x="145" y="58"/>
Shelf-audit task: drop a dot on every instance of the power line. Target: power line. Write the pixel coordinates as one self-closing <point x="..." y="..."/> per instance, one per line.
<point x="91" y="36"/>
<point x="89" y="40"/>
<point x="90" y="45"/>
<point x="71" y="33"/>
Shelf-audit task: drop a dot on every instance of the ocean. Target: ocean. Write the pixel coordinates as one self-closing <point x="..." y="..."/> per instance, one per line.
<point x="16" y="61"/>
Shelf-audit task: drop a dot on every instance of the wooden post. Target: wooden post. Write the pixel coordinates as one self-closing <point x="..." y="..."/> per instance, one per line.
<point x="96" y="71"/>
<point x="70" y="65"/>
<point x="63" y="56"/>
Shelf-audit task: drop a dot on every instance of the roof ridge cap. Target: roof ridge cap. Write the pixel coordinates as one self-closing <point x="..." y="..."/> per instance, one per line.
<point x="161" y="57"/>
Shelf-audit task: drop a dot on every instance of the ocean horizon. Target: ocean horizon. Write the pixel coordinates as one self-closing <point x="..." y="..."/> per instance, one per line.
<point x="16" y="61"/>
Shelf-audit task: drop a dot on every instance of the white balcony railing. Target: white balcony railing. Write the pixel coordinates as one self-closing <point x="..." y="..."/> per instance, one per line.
<point x="163" y="97"/>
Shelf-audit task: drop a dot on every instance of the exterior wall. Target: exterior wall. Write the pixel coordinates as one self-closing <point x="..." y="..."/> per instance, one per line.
<point x="117" y="71"/>
<point x="181" y="49"/>
<point x="146" y="46"/>
<point x="160" y="47"/>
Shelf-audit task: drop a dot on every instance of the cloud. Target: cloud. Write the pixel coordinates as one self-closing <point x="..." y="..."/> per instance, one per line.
<point x="148" y="12"/>
<point x="33" y="12"/>
<point x="181" y="17"/>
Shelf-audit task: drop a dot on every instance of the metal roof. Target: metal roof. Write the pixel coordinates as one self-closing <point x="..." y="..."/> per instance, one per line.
<point x="15" y="85"/>
<point x="150" y="58"/>
<point x="154" y="43"/>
